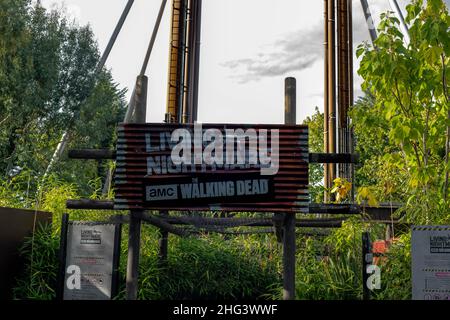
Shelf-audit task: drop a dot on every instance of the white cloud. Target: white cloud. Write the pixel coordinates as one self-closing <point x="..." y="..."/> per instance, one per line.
<point x="296" y="52"/>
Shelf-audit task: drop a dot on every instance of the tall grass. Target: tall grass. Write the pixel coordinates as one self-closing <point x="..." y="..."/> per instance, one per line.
<point x="38" y="281"/>
<point x="215" y="266"/>
<point x="205" y="268"/>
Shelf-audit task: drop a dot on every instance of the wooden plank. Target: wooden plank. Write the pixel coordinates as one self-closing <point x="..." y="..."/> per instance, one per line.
<point x="96" y="154"/>
<point x="88" y="204"/>
<point x="333" y="158"/>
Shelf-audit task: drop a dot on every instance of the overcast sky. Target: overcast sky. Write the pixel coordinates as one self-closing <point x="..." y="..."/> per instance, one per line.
<point x="248" y="48"/>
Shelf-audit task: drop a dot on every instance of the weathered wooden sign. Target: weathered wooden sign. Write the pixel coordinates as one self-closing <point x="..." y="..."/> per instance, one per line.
<point x="201" y="167"/>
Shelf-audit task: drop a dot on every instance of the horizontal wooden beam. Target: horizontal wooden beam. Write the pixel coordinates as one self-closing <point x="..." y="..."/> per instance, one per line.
<point x="95" y="154"/>
<point x="333" y="158"/>
<point x="251" y="222"/>
<point x="88" y="204"/>
<point x="153" y="220"/>
<point x="331" y="208"/>
<point x="382" y="212"/>
<point x="243" y="221"/>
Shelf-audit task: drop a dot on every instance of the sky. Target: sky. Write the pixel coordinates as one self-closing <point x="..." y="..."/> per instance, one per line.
<point x="248" y="48"/>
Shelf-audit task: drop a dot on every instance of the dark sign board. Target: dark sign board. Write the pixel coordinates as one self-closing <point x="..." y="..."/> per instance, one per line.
<point x="202" y="167"/>
<point x="15" y="226"/>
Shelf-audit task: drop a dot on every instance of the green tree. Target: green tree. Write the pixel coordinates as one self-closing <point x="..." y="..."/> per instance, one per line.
<point x="409" y="84"/>
<point x="372" y="143"/>
<point x="315" y="125"/>
<point x="48" y="84"/>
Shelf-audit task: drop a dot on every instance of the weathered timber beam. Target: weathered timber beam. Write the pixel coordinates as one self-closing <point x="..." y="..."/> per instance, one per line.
<point x="382" y="213"/>
<point x="153" y="220"/>
<point x="317" y="224"/>
<point x="95" y="154"/>
<point x="236" y="233"/>
<point x="164" y="225"/>
<point x="259" y="222"/>
<point x="333" y="158"/>
<point x="250" y="222"/>
<point x="314" y="233"/>
<point x="88" y="204"/>
<point x="328" y="208"/>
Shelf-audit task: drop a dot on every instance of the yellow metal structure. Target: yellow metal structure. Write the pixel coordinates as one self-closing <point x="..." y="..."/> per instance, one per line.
<point x="174" y="60"/>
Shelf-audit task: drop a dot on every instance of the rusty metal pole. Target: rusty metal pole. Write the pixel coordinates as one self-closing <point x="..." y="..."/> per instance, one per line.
<point x="182" y="59"/>
<point x="332" y="85"/>
<point x="350" y="50"/>
<point x="153" y="38"/>
<point x="289" y="247"/>
<point x="196" y="59"/>
<point x="343" y="83"/>
<point x="134" y="234"/>
<point x="175" y="60"/>
<point x="326" y="167"/>
<point x="181" y="81"/>
<point x="187" y="68"/>
<point x="351" y="93"/>
<point x="114" y="36"/>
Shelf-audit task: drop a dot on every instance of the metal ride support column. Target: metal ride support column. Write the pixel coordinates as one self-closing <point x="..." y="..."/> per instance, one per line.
<point x="351" y="143"/>
<point x="289" y="246"/>
<point x="134" y="233"/>
<point x="175" y="55"/>
<point x="331" y="54"/>
<point x="193" y="60"/>
<point x="345" y="53"/>
<point x="184" y="62"/>
<point x="326" y="132"/>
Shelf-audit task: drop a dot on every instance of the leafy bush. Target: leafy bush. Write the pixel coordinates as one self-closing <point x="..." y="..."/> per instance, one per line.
<point x="330" y="268"/>
<point x="396" y="271"/>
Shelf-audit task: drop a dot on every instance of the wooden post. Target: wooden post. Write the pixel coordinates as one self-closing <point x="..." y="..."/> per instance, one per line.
<point x="289" y="249"/>
<point x="163" y="242"/>
<point x="134" y="235"/>
<point x="62" y="257"/>
<point x="366" y="259"/>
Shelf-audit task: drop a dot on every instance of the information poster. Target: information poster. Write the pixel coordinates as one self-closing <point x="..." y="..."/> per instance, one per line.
<point x="430" y="247"/>
<point x="90" y="258"/>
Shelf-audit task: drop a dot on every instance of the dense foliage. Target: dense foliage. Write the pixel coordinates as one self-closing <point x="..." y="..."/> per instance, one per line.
<point x="203" y="268"/>
<point x="315" y="125"/>
<point x="409" y="110"/>
<point x="47" y="86"/>
<point x="401" y="126"/>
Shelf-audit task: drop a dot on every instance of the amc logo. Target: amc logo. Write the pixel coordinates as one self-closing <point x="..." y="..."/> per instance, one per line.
<point x="164" y="192"/>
